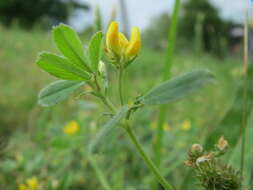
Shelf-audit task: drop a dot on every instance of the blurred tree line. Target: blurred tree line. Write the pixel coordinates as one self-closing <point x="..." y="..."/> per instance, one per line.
<point x="27" y="13"/>
<point x="200" y="27"/>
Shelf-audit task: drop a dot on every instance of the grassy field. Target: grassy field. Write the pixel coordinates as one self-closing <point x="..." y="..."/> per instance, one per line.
<point x="38" y="148"/>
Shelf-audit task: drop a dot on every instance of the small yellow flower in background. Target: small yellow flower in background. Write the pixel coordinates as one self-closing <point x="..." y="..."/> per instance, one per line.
<point x="167" y="127"/>
<point x="22" y="187"/>
<point x="71" y="128"/>
<point x="186" y="125"/>
<point x="118" y="46"/>
<point x="32" y="183"/>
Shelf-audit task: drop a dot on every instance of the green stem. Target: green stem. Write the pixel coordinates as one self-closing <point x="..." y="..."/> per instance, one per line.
<point x="166" y="76"/>
<point x="243" y="134"/>
<point x="147" y="160"/>
<point x="108" y="103"/>
<point x="160" y="132"/>
<point x="243" y="123"/>
<point x="104" y="99"/>
<point x="99" y="173"/>
<point x="134" y="140"/>
<point x="120" y="86"/>
<point x="171" y="41"/>
<point x="97" y="84"/>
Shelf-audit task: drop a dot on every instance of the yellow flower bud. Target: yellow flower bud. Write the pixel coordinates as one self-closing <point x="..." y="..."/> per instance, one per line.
<point x="112" y="37"/>
<point x="135" y="43"/>
<point x="119" y="49"/>
<point x="123" y="42"/>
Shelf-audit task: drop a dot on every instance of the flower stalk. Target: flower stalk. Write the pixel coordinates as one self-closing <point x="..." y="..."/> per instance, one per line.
<point x="120" y="86"/>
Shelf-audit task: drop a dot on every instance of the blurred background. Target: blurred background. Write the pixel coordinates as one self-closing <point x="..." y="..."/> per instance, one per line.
<point x="47" y="147"/>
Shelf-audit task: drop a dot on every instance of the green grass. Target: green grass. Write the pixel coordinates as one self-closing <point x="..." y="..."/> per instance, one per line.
<point x="38" y="147"/>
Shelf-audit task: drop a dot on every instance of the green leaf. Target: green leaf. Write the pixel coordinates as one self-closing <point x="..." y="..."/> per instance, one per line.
<point x="239" y="112"/>
<point x="107" y="128"/>
<point x="95" y="50"/>
<point x="70" y="45"/>
<point x="58" y="91"/>
<point x="61" y="67"/>
<point x="177" y="88"/>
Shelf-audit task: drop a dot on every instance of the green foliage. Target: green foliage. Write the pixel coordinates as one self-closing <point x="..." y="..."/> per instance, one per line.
<point x="95" y="50"/>
<point x="177" y="88"/>
<point x="238" y="112"/>
<point x="108" y="127"/>
<point x="75" y="65"/>
<point x="57" y="92"/>
<point x="61" y="67"/>
<point x="29" y="12"/>
<point x="70" y="45"/>
<point x="34" y="130"/>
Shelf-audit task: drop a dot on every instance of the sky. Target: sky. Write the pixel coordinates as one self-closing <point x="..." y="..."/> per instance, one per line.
<point x="140" y="12"/>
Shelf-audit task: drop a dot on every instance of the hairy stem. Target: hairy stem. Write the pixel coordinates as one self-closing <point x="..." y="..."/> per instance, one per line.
<point x="108" y="103"/>
<point x="147" y="160"/>
<point x="120" y="86"/>
<point x="139" y="148"/>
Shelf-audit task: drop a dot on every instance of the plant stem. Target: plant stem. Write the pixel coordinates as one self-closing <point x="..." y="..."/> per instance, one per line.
<point x="104" y="99"/>
<point x="120" y="86"/>
<point x="99" y="173"/>
<point x="97" y="84"/>
<point x="108" y="103"/>
<point x="166" y="75"/>
<point x="243" y="123"/>
<point x="134" y="140"/>
<point x="147" y="160"/>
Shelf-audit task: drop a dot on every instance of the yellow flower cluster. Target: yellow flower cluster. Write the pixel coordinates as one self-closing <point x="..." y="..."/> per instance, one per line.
<point x="119" y="48"/>
<point x="31" y="184"/>
<point x="71" y="128"/>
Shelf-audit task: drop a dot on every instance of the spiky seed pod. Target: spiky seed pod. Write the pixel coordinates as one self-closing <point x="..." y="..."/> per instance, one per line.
<point x="211" y="173"/>
<point x="214" y="175"/>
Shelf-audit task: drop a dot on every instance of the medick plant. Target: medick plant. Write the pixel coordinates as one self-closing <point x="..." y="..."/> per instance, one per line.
<point x="79" y="66"/>
<point x="211" y="172"/>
